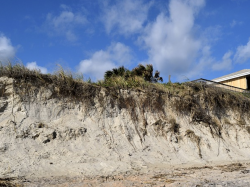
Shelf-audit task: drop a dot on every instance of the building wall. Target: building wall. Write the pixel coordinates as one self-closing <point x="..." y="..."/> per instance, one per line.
<point x="240" y="82"/>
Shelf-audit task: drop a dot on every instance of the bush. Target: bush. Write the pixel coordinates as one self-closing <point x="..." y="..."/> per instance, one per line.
<point x="146" y="72"/>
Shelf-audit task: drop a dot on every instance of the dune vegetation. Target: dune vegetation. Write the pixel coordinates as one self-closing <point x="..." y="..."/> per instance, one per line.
<point x="189" y="97"/>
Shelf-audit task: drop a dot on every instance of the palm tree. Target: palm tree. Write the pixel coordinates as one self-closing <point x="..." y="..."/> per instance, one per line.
<point x="142" y="71"/>
<point x="147" y="73"/>
<point x="157" y="77"/>
<point x="121" y="71"/>
<point x="108" y="74"/>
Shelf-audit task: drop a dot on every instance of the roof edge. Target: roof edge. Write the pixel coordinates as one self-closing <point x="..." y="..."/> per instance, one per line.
<point x="231" y="77"/>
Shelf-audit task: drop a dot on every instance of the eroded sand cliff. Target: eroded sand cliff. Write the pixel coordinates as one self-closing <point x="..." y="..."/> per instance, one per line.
<point x="112" y="133"/>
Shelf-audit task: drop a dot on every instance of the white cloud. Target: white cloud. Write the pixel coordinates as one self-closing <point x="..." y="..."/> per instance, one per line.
<point x="65" y="7"/>
<point x="7" y="51"/>
<point x="234" y="23"/>
<point x="116" y="55"/>
<point x="212" y="34"/>
<point x="204" y="62"/>
<point x="127" y="16"/>
<point x="242" y="53"/>
<point x="170" y="40"/>
<point x="34" y="66"/>
<point x="225" y="64"/>
<point x="65" y="23"/>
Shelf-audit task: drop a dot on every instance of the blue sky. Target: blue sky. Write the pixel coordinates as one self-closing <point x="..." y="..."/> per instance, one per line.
<point x="186" y="39"/>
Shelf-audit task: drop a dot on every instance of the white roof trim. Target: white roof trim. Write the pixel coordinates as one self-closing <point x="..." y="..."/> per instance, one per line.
<point x="231" y="77"/>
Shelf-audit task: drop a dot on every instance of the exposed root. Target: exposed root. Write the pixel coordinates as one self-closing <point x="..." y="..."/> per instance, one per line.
<point x="194" y="138"/>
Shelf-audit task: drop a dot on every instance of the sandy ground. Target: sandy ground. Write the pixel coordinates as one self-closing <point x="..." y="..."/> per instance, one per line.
<point x="234" y="174"/>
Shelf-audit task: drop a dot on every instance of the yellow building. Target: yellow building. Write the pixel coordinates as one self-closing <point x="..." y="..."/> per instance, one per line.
<point x="240" y="79"/>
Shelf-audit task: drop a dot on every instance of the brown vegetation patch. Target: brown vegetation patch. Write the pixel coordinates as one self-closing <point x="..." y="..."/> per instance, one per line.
<point x="207" y="105"/>
<point x="163" y="178"/>
<point x="9" y="182"/>
<point x="159" y="126"/>
<point x="248" y="129"/>
<point x="174" y="127"/>
<point x="194" y="138"/>
<point x="199" y="168"/>
<point x="232" y="167"/>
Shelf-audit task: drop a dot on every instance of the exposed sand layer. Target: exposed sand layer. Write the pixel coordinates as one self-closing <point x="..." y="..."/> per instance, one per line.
<point x="52" y="141"/>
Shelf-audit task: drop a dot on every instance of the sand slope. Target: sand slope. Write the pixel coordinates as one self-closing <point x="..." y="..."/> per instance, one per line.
<point x="44" y="136"/>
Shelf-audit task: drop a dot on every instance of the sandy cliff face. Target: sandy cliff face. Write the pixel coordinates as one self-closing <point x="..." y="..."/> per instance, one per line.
<point x="42" y="134"/>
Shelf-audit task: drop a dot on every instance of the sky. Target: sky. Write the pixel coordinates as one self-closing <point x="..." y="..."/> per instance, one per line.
<point x="187" y="39"/>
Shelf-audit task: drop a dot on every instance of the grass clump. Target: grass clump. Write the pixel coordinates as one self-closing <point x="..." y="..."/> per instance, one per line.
<point x="17" y="71"/>
<point x="174" y="127"/>
<point x="65" y="83"/>
<point x="9" y="182"/>
<point x="162" y="128"/>
<point x="125" y="83"/>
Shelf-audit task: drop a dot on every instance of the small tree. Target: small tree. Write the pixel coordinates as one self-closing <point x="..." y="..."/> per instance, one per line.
<point x="142" y="71"/>
<point x="147" y="73"/>
<point x="157" y="77"/>
<point x="108" y="74"/>
<point x="121" y="71"/>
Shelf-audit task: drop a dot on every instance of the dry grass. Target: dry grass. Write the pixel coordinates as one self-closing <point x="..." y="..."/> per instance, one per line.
<point x="9" y="182"/>
<point x="232" y="167"/>
<point x="168" y="127"/>
<point x="227" y="122"/>
<point x="159" y="126"/>
<point x="207" y="105"/>
<point x="163" y="178"/>
<point x="122" y="82"/>
<point x="65" y="84"/>
<point x="174" y="127"/>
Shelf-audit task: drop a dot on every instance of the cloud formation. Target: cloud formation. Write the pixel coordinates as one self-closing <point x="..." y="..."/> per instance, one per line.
<point x="225" y="64"/>
<point x="234" y="23"/>
<point x="34" y="66"/>
<point x="170" y="40"/>
<point x="116" y="55"/>
<point x="243" y="53"/>
<point x="126" y="17"/>
<point x="7" y="51"/>
<point x="65" y="23"/>
<point x="204" y="62"/>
